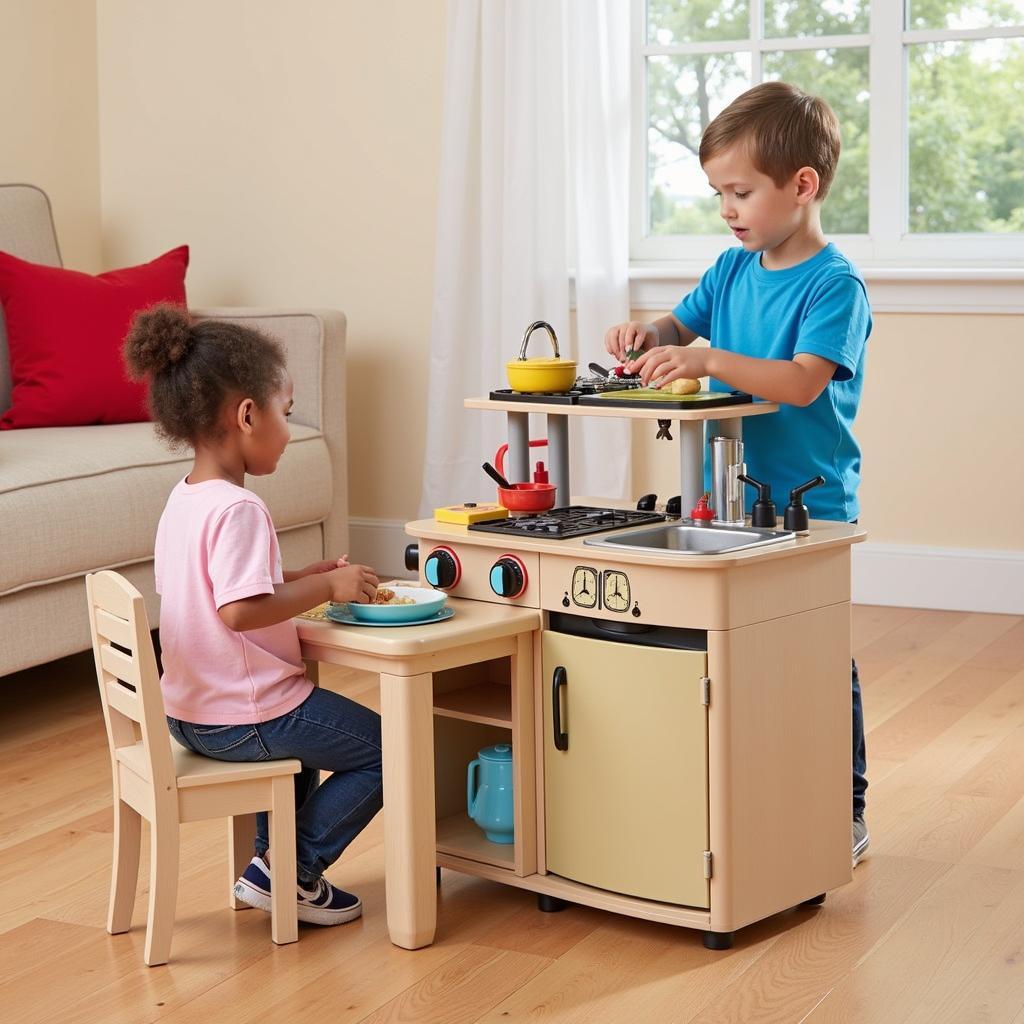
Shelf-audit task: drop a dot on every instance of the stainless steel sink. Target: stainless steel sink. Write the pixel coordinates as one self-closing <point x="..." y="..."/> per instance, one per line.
<point x="686" y="539"/>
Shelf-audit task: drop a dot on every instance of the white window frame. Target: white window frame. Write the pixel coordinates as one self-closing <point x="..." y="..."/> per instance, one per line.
<point x="889" y="249"/>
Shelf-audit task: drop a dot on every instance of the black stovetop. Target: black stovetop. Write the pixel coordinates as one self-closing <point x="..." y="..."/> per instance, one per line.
<point x="570" y="521"/>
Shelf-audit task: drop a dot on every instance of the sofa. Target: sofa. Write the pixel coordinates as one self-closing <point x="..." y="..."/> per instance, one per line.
<point x="77" y="499"/>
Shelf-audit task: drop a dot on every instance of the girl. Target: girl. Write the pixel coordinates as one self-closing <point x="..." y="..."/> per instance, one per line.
<point x="233" y="683"/>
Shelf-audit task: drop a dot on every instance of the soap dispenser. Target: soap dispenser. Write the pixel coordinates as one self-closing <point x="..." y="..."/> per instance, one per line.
<point x="762" y="514"/>
<point x="795" y="517"/>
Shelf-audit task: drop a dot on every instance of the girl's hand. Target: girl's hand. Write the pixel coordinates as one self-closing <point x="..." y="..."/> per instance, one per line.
<point x="356" y="583"/>
<point x="670" y="362"/>
<point x="326" y="566"/>
<point x="633" y="336"/>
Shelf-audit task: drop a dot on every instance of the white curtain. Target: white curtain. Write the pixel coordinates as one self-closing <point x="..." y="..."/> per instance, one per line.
<point x="533" y="183"/>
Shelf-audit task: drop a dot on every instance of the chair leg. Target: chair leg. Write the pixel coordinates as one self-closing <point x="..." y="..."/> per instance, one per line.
<point x="163" y="889"/>
<point x="124" y="878"/>
<point x="284" y="925"/>
<point x="241" y="835"/>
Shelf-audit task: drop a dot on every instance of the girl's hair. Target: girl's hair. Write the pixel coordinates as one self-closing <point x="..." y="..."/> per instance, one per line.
<point x="193" y="367"/>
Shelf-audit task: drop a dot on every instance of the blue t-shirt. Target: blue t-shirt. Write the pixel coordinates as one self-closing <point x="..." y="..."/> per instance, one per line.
<point x="821" y="307"/>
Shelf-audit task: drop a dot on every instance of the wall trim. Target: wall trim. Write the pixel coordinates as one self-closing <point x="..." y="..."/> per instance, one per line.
<point x="890" y="289"/>
<point x="905" y="576"/>
<point x="951" y="579"/>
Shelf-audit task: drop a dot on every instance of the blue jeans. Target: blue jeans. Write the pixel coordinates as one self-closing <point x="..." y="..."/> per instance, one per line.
<point x="326" y="731"/>
<point x="860" y="760"/>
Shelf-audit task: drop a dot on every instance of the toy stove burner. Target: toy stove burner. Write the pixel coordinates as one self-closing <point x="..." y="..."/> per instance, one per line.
<point x="570" y="521"/>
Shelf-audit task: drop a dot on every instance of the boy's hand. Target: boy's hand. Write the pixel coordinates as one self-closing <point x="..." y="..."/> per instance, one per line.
<point x="633" y="336"/>
<point x="356" y="583"/>
<point x="668" y="363"/>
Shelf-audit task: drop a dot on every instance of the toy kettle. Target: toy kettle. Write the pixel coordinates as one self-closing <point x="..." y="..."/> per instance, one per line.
<point x="489" y="796"/>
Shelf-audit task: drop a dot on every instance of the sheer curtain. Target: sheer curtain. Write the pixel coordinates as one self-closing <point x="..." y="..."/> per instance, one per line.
<point x="534" y="181"/>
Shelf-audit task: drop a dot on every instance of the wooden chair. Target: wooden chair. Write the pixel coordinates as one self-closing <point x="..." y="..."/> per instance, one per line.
<point x="158" y="779"/>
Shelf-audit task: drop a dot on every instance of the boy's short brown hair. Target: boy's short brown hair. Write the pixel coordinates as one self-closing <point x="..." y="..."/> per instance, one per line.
<point x="785" y="128"/>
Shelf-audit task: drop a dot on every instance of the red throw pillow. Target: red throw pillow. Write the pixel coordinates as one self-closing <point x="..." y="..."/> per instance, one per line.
<point x="65" y="331"/>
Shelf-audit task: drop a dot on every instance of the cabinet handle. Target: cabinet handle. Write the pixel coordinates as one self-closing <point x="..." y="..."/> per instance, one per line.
<point x="558" y="680"/>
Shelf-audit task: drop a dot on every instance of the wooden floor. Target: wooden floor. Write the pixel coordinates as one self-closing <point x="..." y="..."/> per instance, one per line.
<point x="931" y="929"/>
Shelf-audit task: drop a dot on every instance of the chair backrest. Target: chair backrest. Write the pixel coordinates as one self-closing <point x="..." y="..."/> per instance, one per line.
<point x="26" y="231"/>
<point x="133" y="706"/>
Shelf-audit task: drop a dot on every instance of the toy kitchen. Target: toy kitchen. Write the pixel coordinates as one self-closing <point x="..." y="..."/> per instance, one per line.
<point x="684" y="755"/>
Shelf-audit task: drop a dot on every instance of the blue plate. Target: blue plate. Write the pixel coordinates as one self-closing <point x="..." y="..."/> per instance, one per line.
<point x="343" y="616"/>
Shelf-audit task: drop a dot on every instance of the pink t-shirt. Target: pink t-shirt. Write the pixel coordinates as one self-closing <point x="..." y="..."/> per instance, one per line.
<point x="216" y="544"/>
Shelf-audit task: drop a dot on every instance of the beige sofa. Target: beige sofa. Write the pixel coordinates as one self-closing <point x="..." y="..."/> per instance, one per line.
<point x="77" y="499"/>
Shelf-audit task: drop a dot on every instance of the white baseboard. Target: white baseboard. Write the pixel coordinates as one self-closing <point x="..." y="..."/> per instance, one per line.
<point x="906" y="576"/>
<point x="953" y="579"/>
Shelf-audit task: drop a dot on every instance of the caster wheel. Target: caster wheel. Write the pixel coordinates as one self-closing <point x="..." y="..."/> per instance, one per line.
<point x="437" y="877"/>
<point x="550" y="904"/>
<point x="814" y="901"/>
<point x="718" y="940"/>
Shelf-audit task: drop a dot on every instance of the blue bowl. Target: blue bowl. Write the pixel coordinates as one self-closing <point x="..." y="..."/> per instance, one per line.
<point x="428" y="602"/>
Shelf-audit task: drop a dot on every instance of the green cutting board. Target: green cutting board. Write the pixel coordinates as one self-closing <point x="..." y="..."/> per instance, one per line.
<point x="646" y="396"/>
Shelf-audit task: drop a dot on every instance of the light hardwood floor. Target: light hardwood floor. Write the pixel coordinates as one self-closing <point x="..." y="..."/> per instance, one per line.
<point x="931" y="929"/>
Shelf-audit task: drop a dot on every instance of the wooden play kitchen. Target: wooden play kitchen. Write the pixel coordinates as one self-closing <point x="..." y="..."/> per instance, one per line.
<point x="676" y="696"/>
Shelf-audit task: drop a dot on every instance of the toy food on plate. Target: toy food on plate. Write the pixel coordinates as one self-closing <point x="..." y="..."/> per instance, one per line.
<point x="386" y="596"/>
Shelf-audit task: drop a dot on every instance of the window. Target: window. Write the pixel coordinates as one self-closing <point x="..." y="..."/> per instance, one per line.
<point x="929" y="96"/>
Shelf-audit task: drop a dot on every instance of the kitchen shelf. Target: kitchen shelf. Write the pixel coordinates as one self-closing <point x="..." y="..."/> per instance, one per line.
<point x="487" y="702"/>
<point x="459" y="836"/>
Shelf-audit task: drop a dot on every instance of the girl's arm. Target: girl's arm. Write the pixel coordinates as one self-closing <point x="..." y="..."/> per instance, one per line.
<point x="349" y="583"/>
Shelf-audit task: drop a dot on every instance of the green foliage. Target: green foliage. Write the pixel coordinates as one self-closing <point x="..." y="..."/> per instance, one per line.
<point x="966" y="109"/>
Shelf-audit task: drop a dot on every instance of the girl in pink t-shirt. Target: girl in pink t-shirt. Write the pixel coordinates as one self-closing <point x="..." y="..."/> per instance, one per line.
<point x="233" y="680"/>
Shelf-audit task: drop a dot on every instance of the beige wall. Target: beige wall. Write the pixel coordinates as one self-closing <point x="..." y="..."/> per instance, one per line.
<point x="940" y="425"/>
<point x="48" y="115"/>
<point x="295" y="148"/>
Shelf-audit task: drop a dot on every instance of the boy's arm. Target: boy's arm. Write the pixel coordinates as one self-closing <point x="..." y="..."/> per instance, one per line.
<point x="796" y="381"/>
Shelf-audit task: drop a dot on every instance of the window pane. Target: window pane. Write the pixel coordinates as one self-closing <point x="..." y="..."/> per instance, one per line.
<point x="814" y="17"/>
<point x="964" y="13"/>
<point x="697" y="21"/>
<point x="967" y="136"/>
<point x="840" y="77"/>
<point x="684" y="94"/>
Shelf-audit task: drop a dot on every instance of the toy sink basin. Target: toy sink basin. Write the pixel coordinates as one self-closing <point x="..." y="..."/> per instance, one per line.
<point x="428" y="602"/>
<point x="682" y="539"/>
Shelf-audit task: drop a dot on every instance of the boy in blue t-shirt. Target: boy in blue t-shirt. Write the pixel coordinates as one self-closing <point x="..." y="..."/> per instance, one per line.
<point x="786" y="314"/>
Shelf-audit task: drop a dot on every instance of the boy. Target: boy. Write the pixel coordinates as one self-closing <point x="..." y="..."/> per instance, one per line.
<point x="786" y="314"/>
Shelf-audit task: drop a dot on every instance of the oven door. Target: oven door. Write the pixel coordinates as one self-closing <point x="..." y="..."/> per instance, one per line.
<point x="626" y="767"/>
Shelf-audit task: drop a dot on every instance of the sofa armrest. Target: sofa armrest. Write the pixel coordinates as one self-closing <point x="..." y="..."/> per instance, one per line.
<point x="314" y="342"/>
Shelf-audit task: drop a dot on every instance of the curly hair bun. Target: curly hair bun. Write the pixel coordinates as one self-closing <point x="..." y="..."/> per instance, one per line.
<point x="159" y="338"/>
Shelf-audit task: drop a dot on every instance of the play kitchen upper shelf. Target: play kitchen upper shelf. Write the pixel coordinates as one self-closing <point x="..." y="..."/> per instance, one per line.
<point x="651" y="411"/>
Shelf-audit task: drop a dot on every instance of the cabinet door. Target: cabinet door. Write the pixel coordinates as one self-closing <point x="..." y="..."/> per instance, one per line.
<point x="626" y="800"/>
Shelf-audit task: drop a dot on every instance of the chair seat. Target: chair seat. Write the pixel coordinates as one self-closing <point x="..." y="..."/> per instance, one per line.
<point x="192" y="769"/>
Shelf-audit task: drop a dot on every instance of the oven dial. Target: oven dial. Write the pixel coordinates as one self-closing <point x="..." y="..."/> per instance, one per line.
<point x="508" y="576"/>
<point x="442" y="568"/>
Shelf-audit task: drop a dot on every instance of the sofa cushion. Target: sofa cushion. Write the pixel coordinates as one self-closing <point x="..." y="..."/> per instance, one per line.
<point x="65" y="331"/>
<point x="74" y="499"/>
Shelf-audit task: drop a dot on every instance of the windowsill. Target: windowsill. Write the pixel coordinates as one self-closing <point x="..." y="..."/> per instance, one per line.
<point x="891" y="289"/>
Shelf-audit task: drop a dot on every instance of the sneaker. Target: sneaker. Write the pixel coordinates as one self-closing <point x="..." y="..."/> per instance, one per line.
<point x="324" y="904"/>
<point x="860" y="840"/>
<point x="328" y="905"/>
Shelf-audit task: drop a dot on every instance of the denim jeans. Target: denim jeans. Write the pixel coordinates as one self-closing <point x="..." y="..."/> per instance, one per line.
<point x="860" y="760"/>
<point x="326" y="731"/>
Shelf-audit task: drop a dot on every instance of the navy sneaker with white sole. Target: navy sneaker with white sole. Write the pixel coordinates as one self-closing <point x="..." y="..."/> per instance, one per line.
<point x="324" y="904"/>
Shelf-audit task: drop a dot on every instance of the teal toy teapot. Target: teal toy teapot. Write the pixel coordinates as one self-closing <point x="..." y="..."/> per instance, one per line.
<point x="489" y="800"/>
